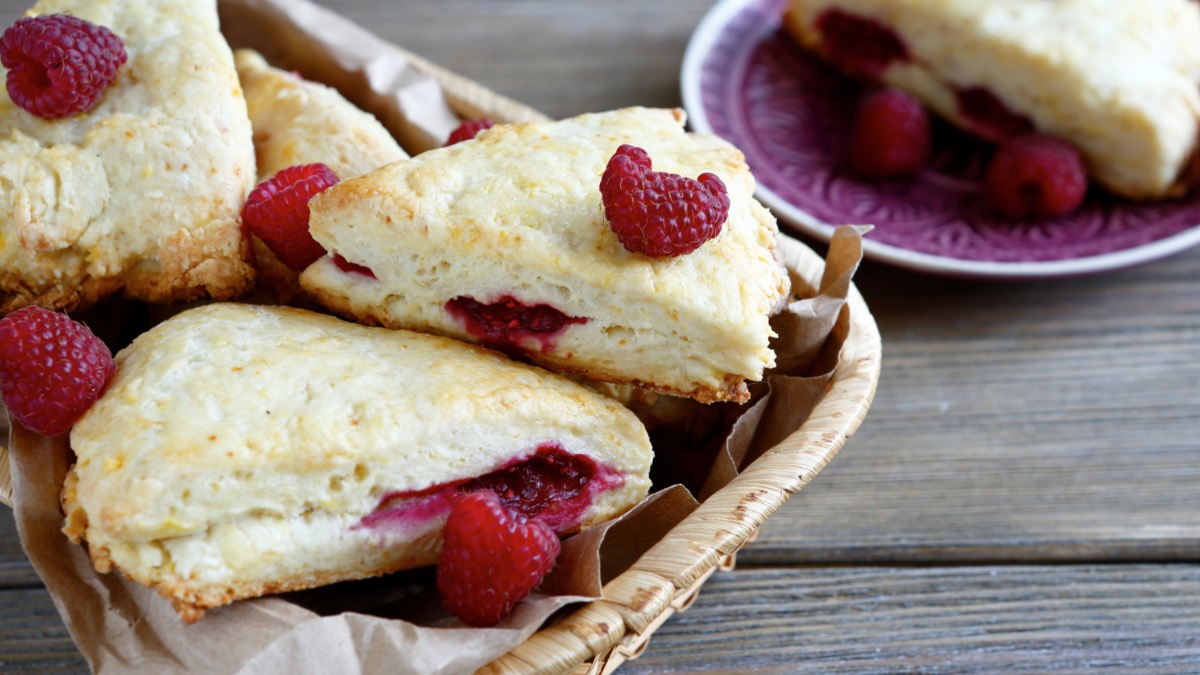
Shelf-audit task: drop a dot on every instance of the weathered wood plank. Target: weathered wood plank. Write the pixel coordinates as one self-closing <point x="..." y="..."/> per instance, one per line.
<point x="1040" y="421"/>
<point x="941" y="619"/>
<point x="15" y="570"/>
<point x="32" y="637"/>
<point x="562" y="58"/>
<point x="1056" y="619"/>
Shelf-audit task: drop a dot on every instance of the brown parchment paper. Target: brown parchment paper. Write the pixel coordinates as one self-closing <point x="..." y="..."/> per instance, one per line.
<point x="395" y="624"/>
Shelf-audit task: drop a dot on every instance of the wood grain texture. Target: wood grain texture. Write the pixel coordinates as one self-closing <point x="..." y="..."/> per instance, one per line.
<point x="32" y="637"/>
<point x="1010" y="619"/>
<point x="1040" y="421"/>
<point x="15" y="570"/>
<point x="563" y="58"/>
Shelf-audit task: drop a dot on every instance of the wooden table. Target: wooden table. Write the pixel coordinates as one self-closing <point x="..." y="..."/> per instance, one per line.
<point x="1023" y="497"/>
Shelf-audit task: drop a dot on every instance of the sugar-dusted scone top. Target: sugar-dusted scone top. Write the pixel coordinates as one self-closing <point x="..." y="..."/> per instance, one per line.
<point x="243" y="449"/>
<point x="143" y="193"/>
<point x="516" y="212"/>
<point x="297" y="121"/>
<point x="1117" y="78"/>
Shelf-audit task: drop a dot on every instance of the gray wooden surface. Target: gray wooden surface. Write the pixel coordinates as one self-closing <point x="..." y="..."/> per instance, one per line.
<point x="1022" y="498"/>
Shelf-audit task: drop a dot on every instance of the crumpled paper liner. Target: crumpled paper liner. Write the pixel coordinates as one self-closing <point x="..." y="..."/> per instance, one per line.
<point x="395" y="622"/>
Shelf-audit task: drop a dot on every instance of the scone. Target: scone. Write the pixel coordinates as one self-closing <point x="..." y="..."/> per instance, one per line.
<point x="242" y="450"/>
<point x="297" y="121"/>
<point x="142" y="194"/>
<point x="502" y="239"/>
<point x="1116" y="78"/>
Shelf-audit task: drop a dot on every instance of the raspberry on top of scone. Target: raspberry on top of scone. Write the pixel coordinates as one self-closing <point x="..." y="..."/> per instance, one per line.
<point x="660" y="214"/>
<point x="59" y="65"/>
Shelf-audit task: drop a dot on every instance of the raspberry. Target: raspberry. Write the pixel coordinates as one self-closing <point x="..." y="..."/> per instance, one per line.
<point x="352" y="268"/>
<point x="492" y="556"/>
<point x="660" y="214"/>
<point x="890" y="136"/>
<point x="1036" y="175"/>
<point x="468" y="130"/>
<point x="59" y="65"/>
<point x="52" y="369"/>
<point x="277" y="212"/>
<point x="507" y="320"/>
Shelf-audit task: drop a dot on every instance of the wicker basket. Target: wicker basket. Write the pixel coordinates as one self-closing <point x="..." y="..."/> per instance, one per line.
<point x="601" y="635"/>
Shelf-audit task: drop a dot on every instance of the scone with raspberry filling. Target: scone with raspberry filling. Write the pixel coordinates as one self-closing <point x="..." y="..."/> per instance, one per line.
<point x="504" y="240"/>
<point x="242" y="450"/>
<point x="1115" y="78"/>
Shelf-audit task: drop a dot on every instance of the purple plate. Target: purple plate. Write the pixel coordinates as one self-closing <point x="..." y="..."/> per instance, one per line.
<point x="745" y="81"/>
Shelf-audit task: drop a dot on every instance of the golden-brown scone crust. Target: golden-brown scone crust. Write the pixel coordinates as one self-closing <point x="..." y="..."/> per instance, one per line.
<point x="517" y="212"/>
<point x="239" y="448"/>
<point x="1117" y="78"/>
<point x="143" y="193"/>
<point x="297" y="121"/>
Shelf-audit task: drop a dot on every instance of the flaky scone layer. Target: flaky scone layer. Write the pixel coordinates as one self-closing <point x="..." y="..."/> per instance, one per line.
<point x="238" y="449"/>
<point x="1117" y="78"/>
<point x="516" y="212"/>
<point x="143" y="193"/>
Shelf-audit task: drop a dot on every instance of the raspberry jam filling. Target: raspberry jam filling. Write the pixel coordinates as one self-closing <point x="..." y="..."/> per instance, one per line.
<point x="552" y="485"/>
<point x="860" y="46"/>
<point x="352" y="268"/>
<point x="987" y="115"/>
<point x="508" y="321"/>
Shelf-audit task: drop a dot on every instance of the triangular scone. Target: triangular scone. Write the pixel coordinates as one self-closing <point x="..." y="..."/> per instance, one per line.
<point x="143" y="193"/>
<point x="1116" y="78"/>
<point x="297" y="121"/>
<point x="513" y="219"/>
<point x="242" y="450"/>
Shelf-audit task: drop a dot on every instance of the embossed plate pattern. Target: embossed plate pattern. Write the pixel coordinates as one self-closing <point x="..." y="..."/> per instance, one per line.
<point x="745" y="81"/>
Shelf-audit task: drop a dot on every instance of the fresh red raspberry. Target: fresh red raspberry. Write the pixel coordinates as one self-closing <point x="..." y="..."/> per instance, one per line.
<point x="277" y="212"/>
<point x="492" y="556"/>
<point x="52" y="369"/>
<point x="1036" y="175"/>
<point x="660" y="214"/>
<point x="890" y="136"/>
<point x="59" y="65"/>
<point x="468" y="130"/>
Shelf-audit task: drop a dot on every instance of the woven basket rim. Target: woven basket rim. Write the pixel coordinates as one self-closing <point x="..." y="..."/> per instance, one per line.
<point x="668" y="576"/>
